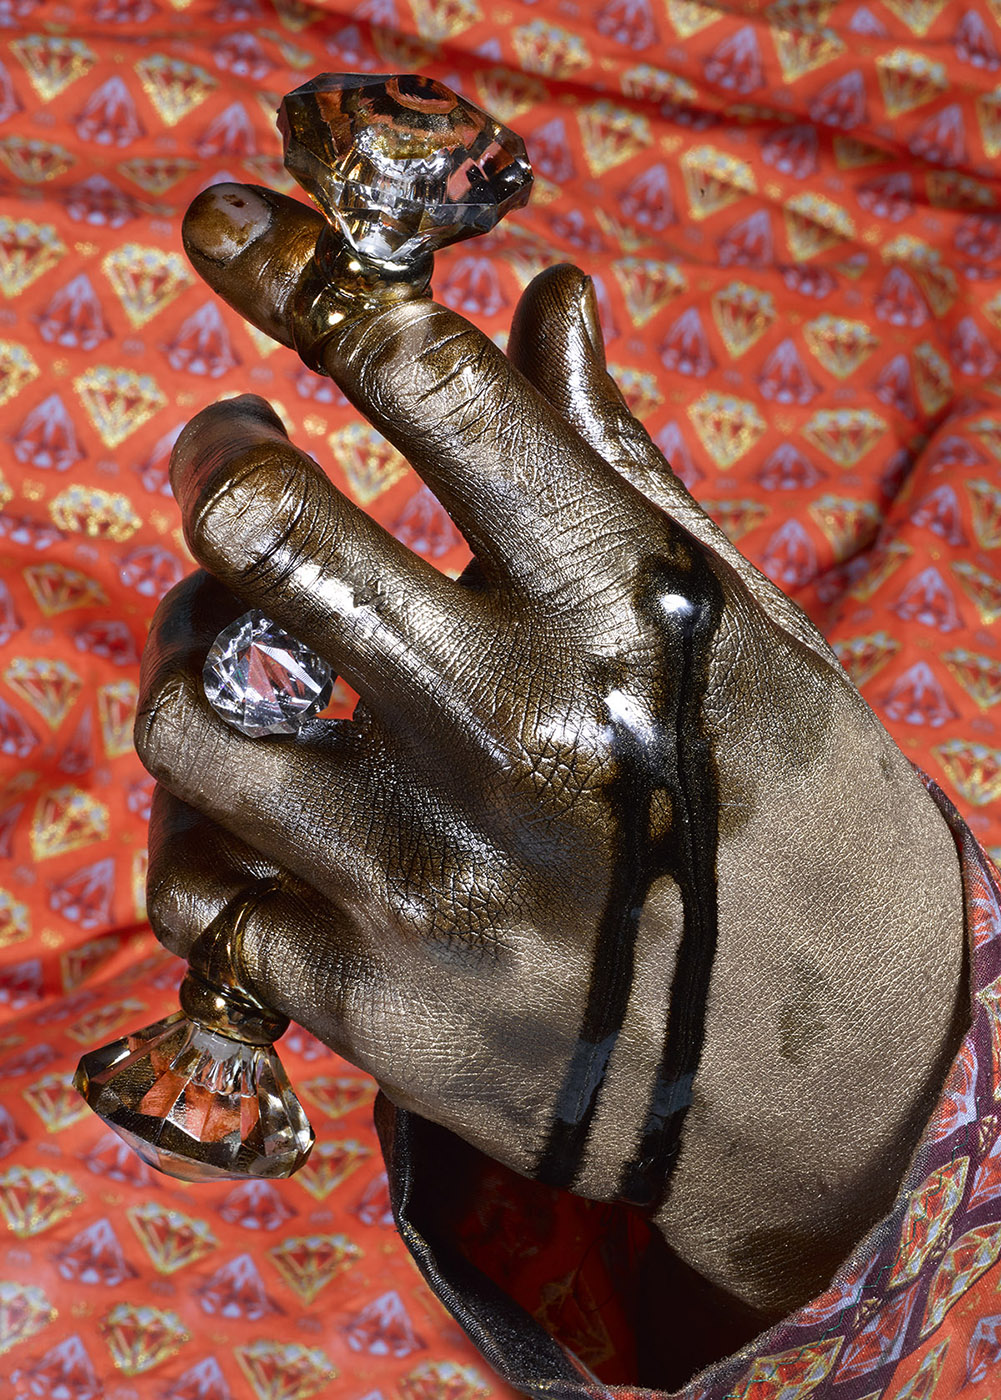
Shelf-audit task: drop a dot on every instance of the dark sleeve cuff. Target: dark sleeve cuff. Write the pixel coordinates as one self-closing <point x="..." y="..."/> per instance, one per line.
<point x="563" y="1296"/>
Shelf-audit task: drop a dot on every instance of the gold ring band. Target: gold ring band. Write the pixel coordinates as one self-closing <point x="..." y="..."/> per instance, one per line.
<point x="213" y="993"/>
<point x="337" y="285"/>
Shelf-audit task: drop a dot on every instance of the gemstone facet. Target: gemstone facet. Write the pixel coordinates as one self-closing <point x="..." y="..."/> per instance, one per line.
<point x="261" y="680"/>
<point x="402" y="165"/>
<point x="196" y="1104"/>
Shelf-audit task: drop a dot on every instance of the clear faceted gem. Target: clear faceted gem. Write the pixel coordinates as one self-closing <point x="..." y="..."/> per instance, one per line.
<point x="401" y="164"/>
<point x="263" y="681"/>
<point x="197" y="1105"/>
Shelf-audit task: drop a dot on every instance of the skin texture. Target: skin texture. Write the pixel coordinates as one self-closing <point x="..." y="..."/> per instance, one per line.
<point x="613" y="873"/>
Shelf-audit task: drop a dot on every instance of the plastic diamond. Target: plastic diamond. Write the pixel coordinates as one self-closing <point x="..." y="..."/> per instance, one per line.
<point x="402" y="165"/>
<point x="197" y="1105"/>
<point x="261" y="680"/>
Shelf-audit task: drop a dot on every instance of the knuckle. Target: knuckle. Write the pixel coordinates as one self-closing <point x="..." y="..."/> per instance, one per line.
<point x="429" y="360"/>
<point x="160" y="725"/>
<point x="165" y="907"/>
<point x="240" y="516"/>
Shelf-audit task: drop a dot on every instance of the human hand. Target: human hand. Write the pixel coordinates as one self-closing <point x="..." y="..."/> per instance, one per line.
<point x="613" y="873"/>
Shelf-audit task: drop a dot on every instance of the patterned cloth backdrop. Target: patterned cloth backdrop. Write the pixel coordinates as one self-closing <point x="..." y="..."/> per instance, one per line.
<point x="790" y="210"/>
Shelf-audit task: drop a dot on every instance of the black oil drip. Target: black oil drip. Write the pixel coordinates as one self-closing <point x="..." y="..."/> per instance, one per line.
<point x="682" y="601"/>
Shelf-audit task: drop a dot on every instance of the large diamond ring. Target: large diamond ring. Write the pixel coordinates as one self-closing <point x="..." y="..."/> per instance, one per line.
<point x="262" y="680"/>
<point x="400" y="166"/>
<point x="202" y="1094"/>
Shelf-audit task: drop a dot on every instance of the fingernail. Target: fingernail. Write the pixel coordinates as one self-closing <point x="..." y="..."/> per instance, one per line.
<point x="591" y="319"/>
<point x="224" y="220"/>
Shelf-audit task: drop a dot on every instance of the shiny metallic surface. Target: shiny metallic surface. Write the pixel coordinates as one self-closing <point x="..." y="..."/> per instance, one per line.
<point x="613" y="873"/>
<point x="337" y="284"/>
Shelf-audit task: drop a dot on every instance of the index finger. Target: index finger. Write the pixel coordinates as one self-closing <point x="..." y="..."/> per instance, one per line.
<point x="537" y="504"/>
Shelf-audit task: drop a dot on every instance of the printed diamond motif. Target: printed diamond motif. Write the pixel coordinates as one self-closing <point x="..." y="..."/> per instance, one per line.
<point x="984" y="1350"/>
<point x="32" y="1200"/>
<point x="145" y="280"/>
<point x="368" y="461"/>
<point x="173" y="87"/>
<point x="84" y="896"/>
<point x="850" y="525"/>
<point x="980" y="676"/>
<point x="865" y="657"/>
<point x="205" y="1381"/>
<point x="881" y="1340"/>
<point x="929" y="1212"/>
<point x="49" y="687"/>
<point x="443" y="1380"/>
<point x="56" y="588"/>
<point x="970" y="1257"/>
<point x="794" y="1373"/>
<point x="15" y="920"/>
<point x="330" y="1164"/>
<point x="973" y="769"/>
<point x="383" y="1328"/>
<point x="742" y="314"/>
<point x="339" y="1096"/>
<point x="713" y="179"/>
<point x="648" y="285"/>
<point x="27" y="251"/>
<point x="95" y="1256"/>
<point x="840" y="345"/>
<point x="65" y="819"/>
<point x="257" y="1205"/>
<point x="727" y="427"/>
<point x="24" y="1310"/>
<point x="844" y="434"/>
<point x="118" y="401"/>
<point x="983" y="588"/>
<point x="171" y="1239"/>
<point x="54" y="1101"/>
<point x="66" y="1372"/>
<point x="308" y="1263"/>
<point x="90" y="511"/>
<point x="958" y="1104"/>
<point x="47" y="437"/>
<point x="284" y="1371"/>
<point x="140" y="1338"/>
<point x="17" y="370"/>
<point x="97" y="1023"/>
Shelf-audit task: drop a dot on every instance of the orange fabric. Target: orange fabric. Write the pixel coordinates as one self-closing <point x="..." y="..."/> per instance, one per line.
<point x="791" y="213"/>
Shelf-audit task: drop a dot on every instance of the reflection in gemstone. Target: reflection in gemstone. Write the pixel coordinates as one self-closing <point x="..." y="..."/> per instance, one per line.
<point x="402" y="165"/>
<point x="197" y="1105"/>
<point x="261" y="680"/>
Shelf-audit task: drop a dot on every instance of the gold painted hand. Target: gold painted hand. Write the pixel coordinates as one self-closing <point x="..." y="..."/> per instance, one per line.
<point x="613" y="873"/>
